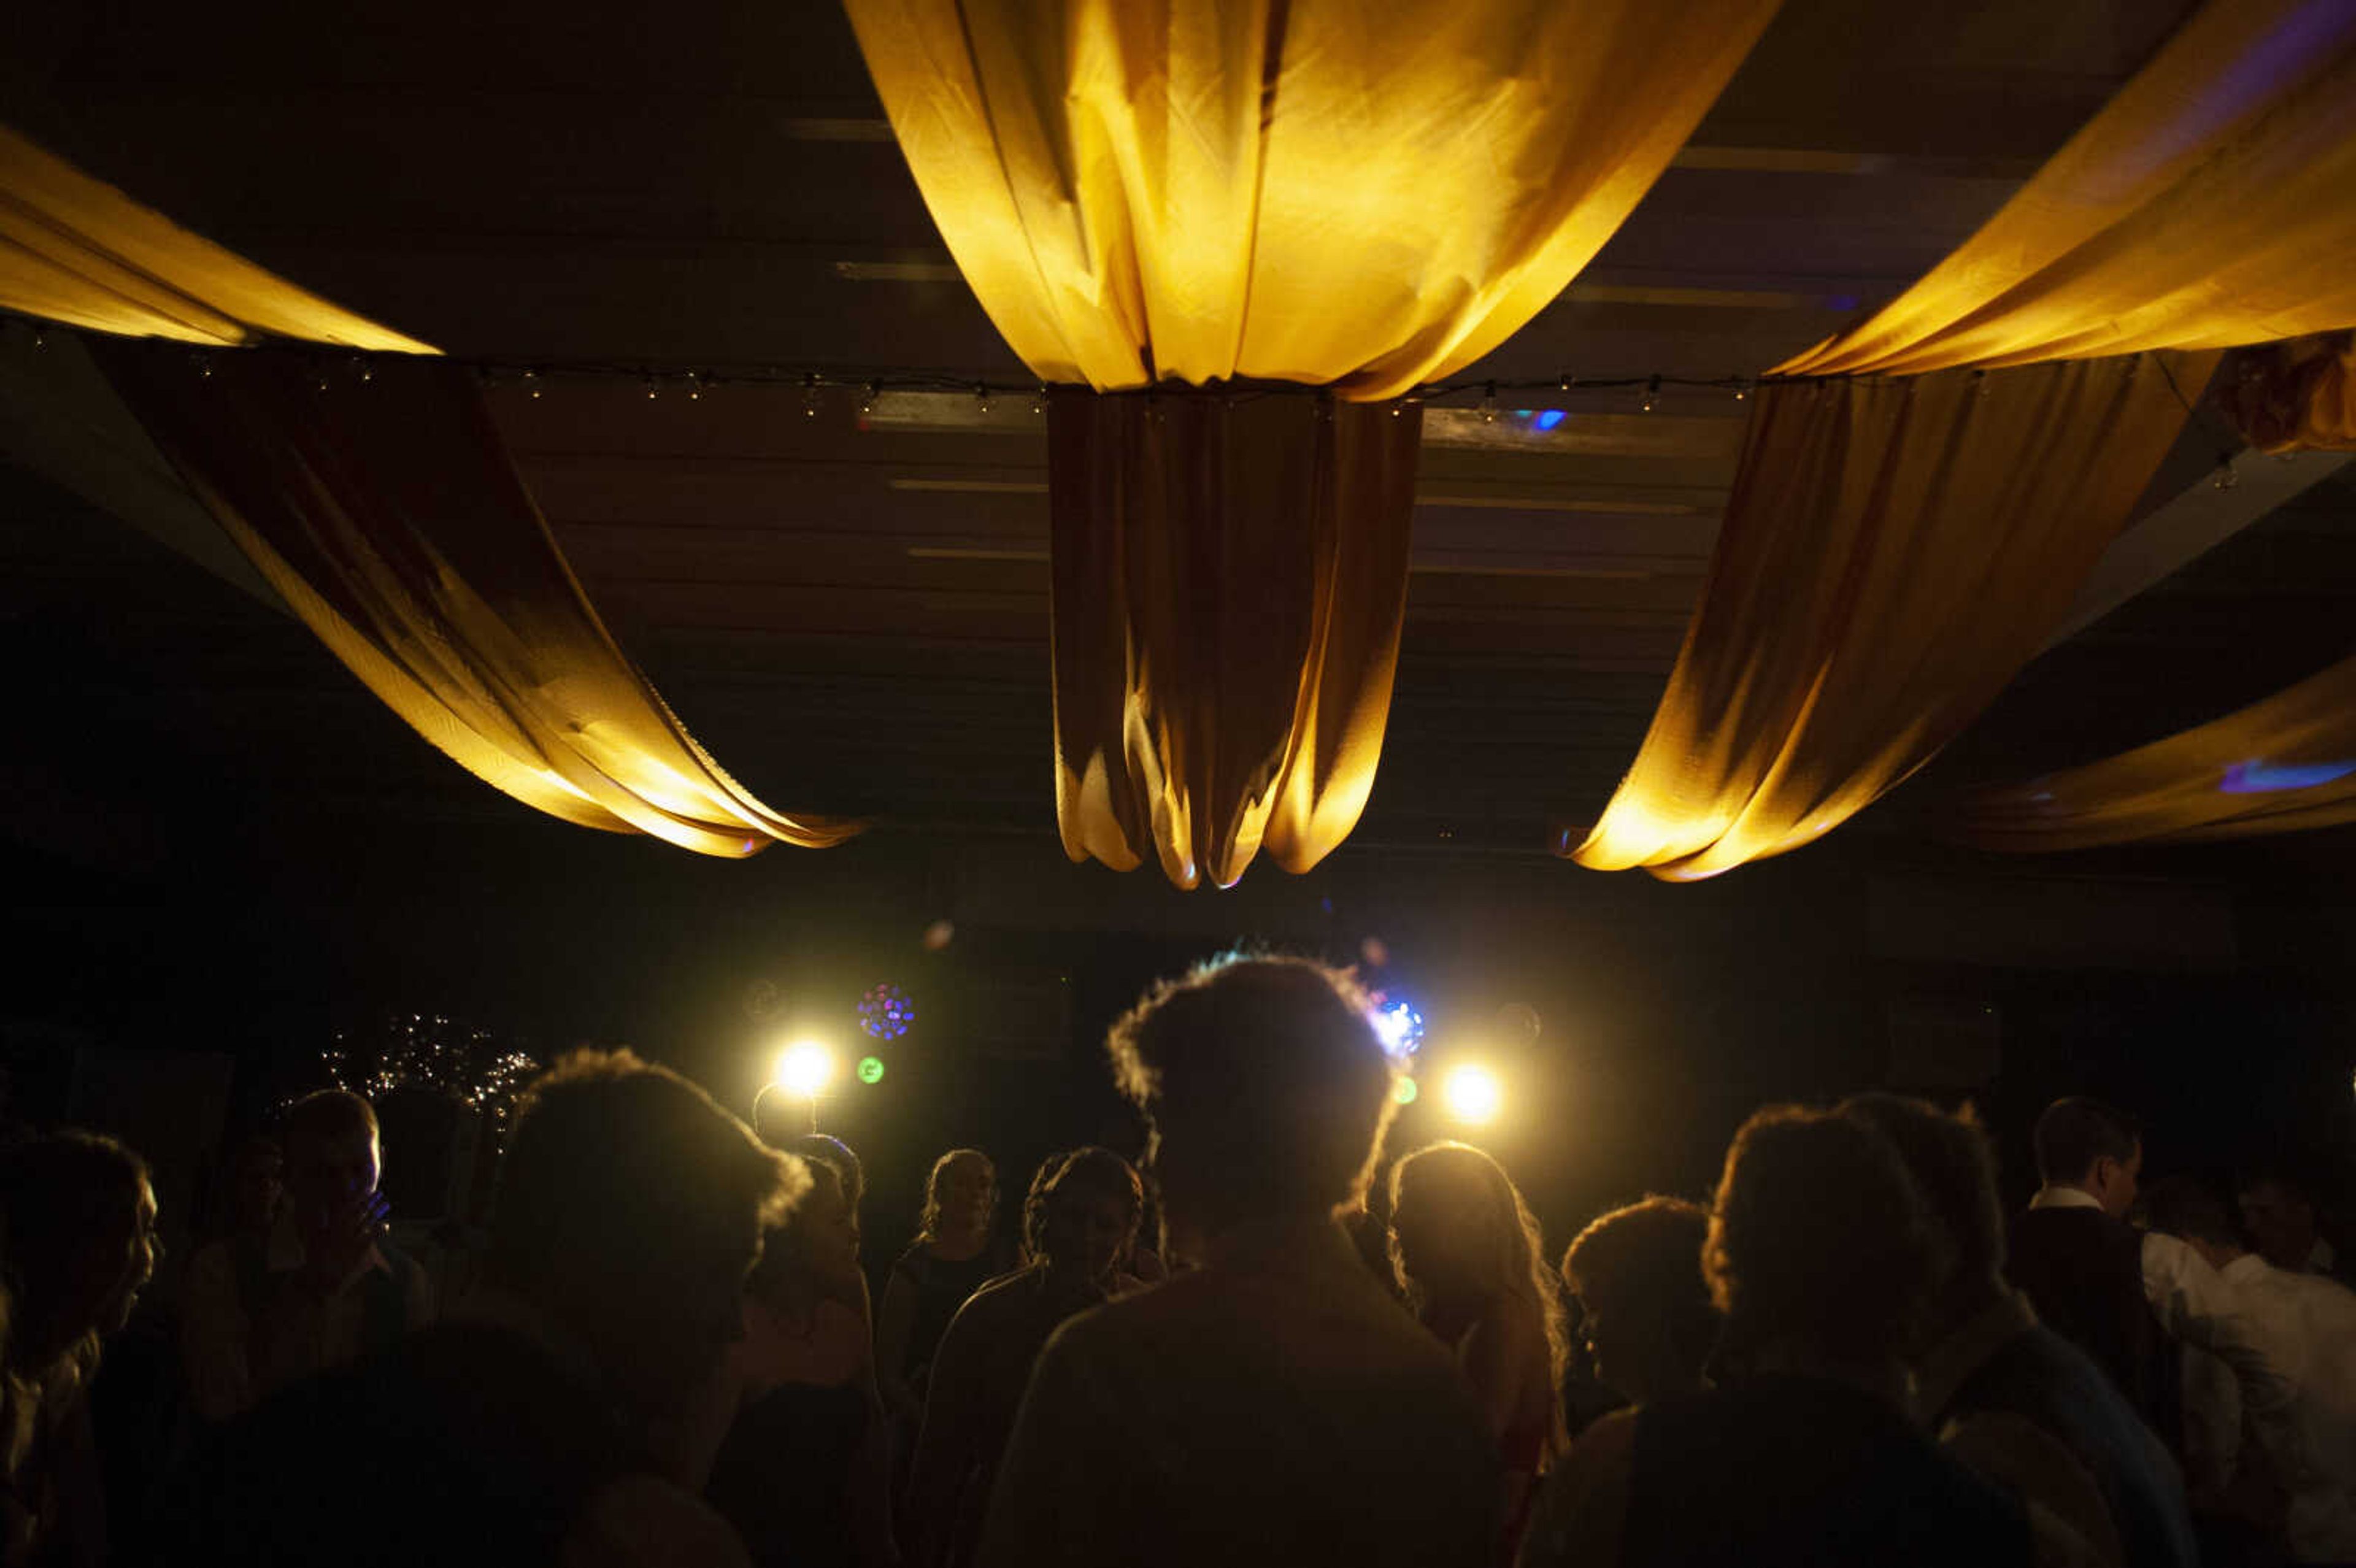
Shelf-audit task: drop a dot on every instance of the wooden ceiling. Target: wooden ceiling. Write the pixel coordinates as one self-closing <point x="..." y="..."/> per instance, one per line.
<point x="851" y="611"/>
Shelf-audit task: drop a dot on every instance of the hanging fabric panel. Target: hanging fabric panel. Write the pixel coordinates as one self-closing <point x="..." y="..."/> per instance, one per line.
<point x="1370" y="197"/>
<point x="2281" y="766"/>
<point x="1214" y="192"/>
<point x="2211" y="203"/>
<point x="1230" y="575"/>
<point x="2298" y="396"/>
<point x="75" y="249"/>
<point x="1893" y="552"/>
<point x="386" y="513"/>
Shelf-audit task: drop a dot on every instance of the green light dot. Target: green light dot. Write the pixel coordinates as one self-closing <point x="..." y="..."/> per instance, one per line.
<point x="1405" y="1092"/>
<point x="870" y="1070"/>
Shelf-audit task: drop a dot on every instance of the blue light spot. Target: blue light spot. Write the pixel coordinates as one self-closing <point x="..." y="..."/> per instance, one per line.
<point x="1840" y="302"/>
<point x="1546" y="419"/>
<point x="2262" y="777"/>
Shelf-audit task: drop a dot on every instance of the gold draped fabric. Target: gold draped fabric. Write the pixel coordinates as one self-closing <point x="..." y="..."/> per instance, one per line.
<point x="2297" y="395"/>
<point x="386" y="513"/>
<point x="1230" y="575"/>
<point x="2277" y="766"/>
<point x="1214" y="192"/>
<point x="1325" y="191"/>
<point x="75" y="249"/>
<point x="2208" y="205"/>
<point x="1893" y="552"/>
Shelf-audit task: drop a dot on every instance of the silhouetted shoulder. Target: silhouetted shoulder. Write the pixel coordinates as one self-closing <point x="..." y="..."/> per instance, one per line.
<point x="639" y="1521"/>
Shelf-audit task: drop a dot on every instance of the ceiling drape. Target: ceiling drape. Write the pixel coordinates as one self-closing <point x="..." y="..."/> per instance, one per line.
<point x="2207" y="205"/>
<point x="2281" y="766"/>
<point x="1893" y="552"/>
<point x="386" y="513"/>
<point x="1186" y="531"/>
<point x="77" y="250"/>
<point x="1320" y="192"/>
<point x="2297" y="395"/>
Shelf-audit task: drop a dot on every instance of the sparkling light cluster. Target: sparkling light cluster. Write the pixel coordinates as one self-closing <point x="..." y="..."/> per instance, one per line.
<point x="430" y="1052"/>
<point x="886" y="1012"/>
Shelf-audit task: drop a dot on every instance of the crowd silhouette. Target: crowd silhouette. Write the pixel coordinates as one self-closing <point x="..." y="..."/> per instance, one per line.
<point x="1846" y="1354"/>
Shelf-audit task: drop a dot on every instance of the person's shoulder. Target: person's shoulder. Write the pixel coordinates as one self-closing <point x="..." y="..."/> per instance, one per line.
<point x="639" y="1519"/>
<point x="914" y="1261"/>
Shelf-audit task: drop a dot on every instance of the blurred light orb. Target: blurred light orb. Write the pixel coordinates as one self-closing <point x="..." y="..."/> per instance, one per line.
<point x="1519" y="1022"/>
<point x="1404" y="1091"/>
<point x="1400" y="1027"/>
<point x="1473" y="1093"/>
<point x="886" y="1012"/>
<point x="939" y="935"/>
<point x="804" y="1069"/>
<point x="870" y="1070"/>
<point x="1374" y="952"/>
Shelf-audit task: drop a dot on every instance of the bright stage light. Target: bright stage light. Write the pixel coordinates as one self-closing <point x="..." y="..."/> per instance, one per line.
<point x="804" y="1069"/>
<point x="1473" y="1093"/>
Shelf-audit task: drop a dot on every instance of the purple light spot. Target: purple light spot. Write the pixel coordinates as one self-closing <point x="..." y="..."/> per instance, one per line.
<point x="1840" y="302"/>
<point x="2261" y="777"/>
<point x="1546" y="419"/>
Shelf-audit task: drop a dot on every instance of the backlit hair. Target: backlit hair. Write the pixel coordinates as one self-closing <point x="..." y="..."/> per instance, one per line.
<point x="1084" y="1171"/>
<point x="1954" y="1169"/>
<point x="1513" y="1260"/>
<point x="327" y="1113"/>
<point x="1646" y="1261"/>
<point x="928" y="1224"/>
<point x="1818" y="1237"/>
<point x="619" y="1169"/>
<point x="1268" y="1073"/>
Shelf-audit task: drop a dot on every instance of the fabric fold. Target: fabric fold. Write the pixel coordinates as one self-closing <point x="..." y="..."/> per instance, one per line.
<point x="77" y="250"/>
<point x="2207" y="205"/>
<point x="1893" y="552"/>
<point x="1212" y="193"/>
<point x="1230" y="578"/>
<point x="2282" y="765"/>
<point x="386" y="513"/>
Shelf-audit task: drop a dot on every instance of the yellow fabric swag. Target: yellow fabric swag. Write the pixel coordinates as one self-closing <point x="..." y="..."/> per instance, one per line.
<point x="75" y="249"/>
<point x="1229" y="578"/>
<point x="2211" y="203"/>
<point x="388" y="515"/>
<point x="2282" y="765"/>
<point x="1893" y="552"/>
<point x="1320" y="192"/>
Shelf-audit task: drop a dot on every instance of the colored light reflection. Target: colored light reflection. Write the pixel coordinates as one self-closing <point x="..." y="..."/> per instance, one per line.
<point x="1405" y="1092"/>
<point x="870" y="1070"/>
<point x="2260" y="777"/>
<point x="1546" y="418"/>
<point x="1400" y="1027"/>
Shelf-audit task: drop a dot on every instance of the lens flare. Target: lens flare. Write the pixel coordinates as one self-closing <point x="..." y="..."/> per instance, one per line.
<point x="1404" y="1091"/>
<point x="1473" y="1093"/>
<point x="804" y="1069"/>
<point x="870" y="1070"/>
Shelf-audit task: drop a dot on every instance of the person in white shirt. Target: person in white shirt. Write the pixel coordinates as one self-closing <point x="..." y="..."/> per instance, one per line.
<point x="2289" y="1339"/>
<point x="2278" y="1214"/>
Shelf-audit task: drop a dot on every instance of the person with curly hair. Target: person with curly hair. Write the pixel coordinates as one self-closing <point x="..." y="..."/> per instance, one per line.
<point x="1819" y="1254"/>
<point x="1646" y="1313"/>
<point x="1270" y="1404"/>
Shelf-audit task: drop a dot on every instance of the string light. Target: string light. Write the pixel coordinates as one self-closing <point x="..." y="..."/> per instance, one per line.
<point x="651" y="389"/>
<point x="1489" y="403"/>
<point x="2227" y="474"/>
<point x="1039" y="401"/>
<point x="694" y="389"/>
<point x="1651" y="396"/>
<point x="867" y="398"/>
<point x="1742" y="389"/>
<point x="1563" y="384"/>
<point x="982" y="396"/>
<point x="809" y="396"/>
<point x="531" y="382"/>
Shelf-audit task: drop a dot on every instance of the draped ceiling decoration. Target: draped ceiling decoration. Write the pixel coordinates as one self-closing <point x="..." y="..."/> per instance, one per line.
<point x="1310" y="191"/>
<point x="2206" y="205"/>
<point x="2297" y="395"/>
<point x="2276" y="766"/>
<point x="77" y="250"/>
<point x="388" y="515"/>
<point x="1893" y="552"/>
<point x="1182" y="529"/>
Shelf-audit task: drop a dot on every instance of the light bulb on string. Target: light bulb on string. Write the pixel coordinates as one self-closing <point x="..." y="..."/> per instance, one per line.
<point x="652" y="391"/>
<point x="809" y="397"/>
<point x="531" y="382"/>
<point x="867" y="398"/>
<point x="1489" y="403"/>
<point x="981" y="397"/>
<point x="1742" y="390"/>
<point x="694" y="388"/>
<point x="1039" y="400"/>
<point x="1651" y="396"/>
<point x="1563" y="385"/>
